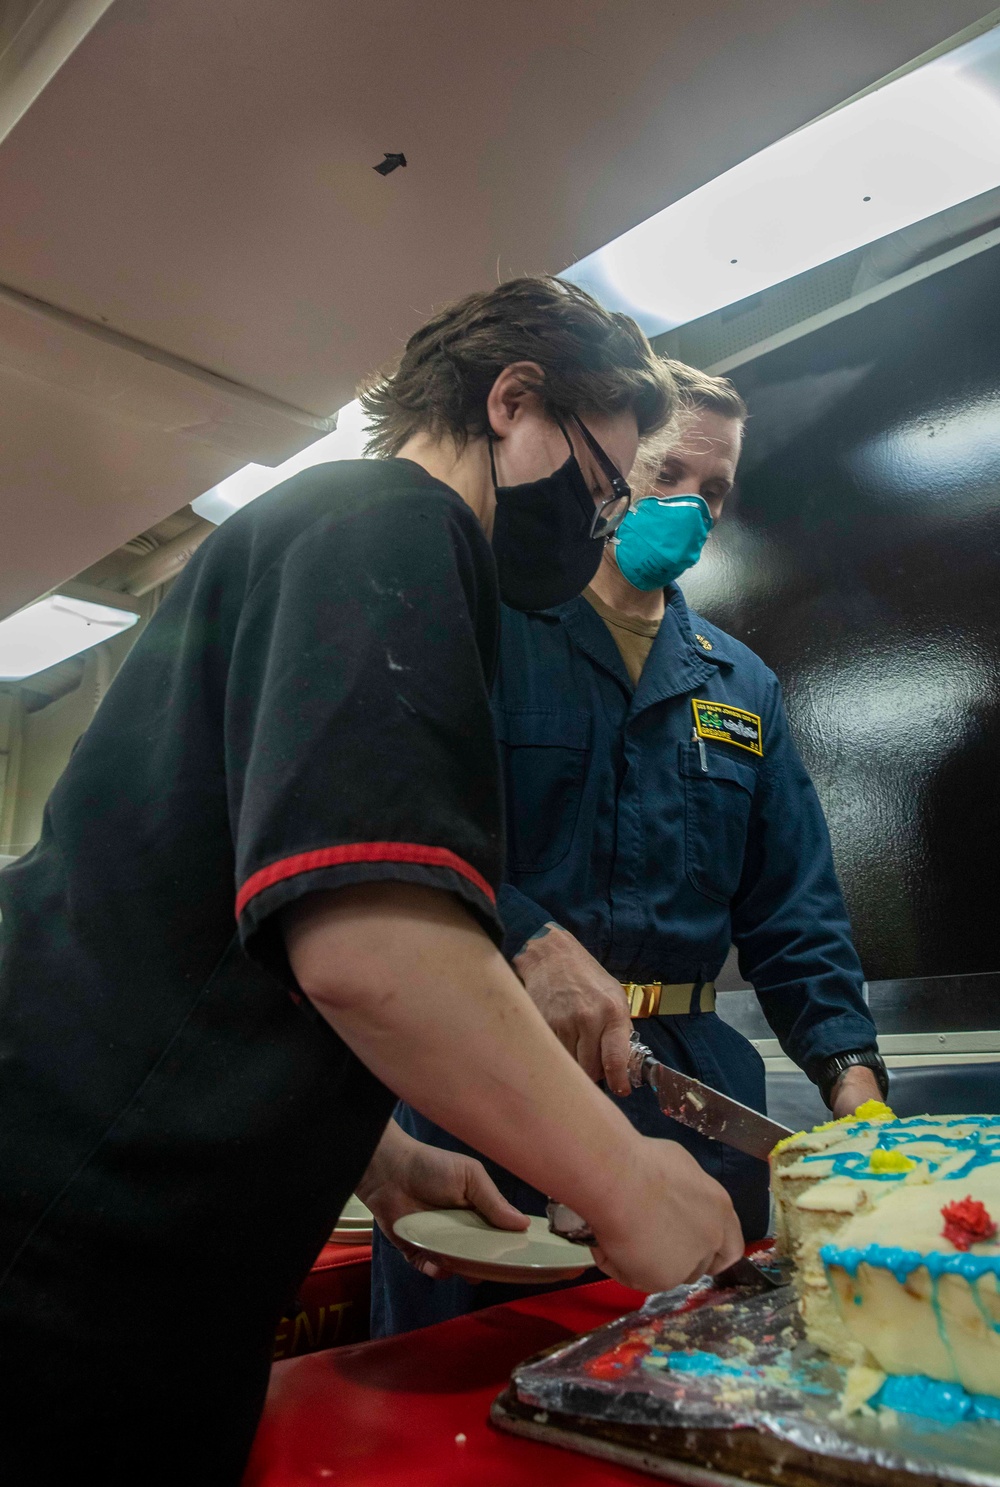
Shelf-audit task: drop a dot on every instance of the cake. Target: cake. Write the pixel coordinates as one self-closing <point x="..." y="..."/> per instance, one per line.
<point x="892" y="1227"/>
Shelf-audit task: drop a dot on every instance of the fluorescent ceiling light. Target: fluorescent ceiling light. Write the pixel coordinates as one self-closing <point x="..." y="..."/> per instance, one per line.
<point x="905" y="151"/>
<point x="345" y="443"/>
<point x="913" y="147"/>
<point x="53" y="629"/>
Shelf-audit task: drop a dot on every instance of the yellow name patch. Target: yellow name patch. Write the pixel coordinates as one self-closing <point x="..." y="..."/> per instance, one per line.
<point x="728" y="725"/>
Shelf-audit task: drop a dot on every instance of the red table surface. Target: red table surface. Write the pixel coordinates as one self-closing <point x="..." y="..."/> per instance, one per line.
<point x="333" y="1303"/>
<point x="387" y="1413"/>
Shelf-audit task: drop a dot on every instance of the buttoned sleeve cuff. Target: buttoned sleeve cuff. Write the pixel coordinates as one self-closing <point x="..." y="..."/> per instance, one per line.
<point x="844" y="1033"/>
<point x="521" y="918"/>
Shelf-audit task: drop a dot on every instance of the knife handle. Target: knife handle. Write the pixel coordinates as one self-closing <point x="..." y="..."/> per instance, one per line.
<point x="638" y="1056"/>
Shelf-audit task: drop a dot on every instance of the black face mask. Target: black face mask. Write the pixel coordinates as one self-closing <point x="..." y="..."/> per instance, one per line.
<point x="541" y="537"/>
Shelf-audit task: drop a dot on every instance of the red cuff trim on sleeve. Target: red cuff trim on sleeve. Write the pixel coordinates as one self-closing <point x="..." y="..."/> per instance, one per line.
<point x="308" y="862"/>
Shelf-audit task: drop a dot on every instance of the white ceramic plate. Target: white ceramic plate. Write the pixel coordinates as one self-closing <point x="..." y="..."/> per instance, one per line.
<point x="354" y="1225"/>
<point x="470" y="1247"/>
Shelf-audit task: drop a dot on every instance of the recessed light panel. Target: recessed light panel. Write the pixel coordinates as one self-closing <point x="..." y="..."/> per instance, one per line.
<point x="54" y="629"/>
<point x="916" y="146"/>
<point x="345" y="443"/>
<point x="911" y="148"/>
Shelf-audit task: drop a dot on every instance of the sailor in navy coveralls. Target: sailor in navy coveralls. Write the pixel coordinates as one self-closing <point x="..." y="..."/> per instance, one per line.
<point x="657" y="812"/>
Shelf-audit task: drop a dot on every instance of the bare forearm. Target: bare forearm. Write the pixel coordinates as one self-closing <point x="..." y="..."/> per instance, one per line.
<point x="856" y="1085"/>
<point x="416" y="989"/>
<point x="391" y="1150"/>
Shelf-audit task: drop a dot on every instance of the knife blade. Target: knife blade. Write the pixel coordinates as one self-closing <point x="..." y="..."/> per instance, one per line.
<point x="746" y="1275"/>
<point x="702" y="1108"/>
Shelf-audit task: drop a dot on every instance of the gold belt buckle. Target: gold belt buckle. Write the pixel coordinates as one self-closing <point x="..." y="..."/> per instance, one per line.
<point x="644" y="1001"/>
<point x="648" y="1000"/>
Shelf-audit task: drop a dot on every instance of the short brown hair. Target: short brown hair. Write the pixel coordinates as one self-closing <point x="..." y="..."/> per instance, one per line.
<point x="593" y="361"/>
<point x="700" y="391"/>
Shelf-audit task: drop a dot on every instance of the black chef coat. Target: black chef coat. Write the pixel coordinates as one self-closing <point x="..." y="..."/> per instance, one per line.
<point x="178" y="1129"/>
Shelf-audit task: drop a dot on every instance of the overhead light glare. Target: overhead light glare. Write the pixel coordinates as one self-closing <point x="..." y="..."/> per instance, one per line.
<point x="52" y="630"/>
<point x="905" y="151"/>
<point x="902" y="152"/>
<point x="347" y="442"/>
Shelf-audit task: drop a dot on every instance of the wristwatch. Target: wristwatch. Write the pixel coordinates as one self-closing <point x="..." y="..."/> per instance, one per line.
<point x="831" y="1069"/>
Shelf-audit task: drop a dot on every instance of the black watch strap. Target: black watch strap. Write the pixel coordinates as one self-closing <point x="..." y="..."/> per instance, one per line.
<point x="832" y="1068"/>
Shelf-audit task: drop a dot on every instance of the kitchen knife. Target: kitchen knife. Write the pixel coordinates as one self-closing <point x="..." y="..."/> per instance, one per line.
<point x="745" y="1274"/>
<point x="702" y="1108"/>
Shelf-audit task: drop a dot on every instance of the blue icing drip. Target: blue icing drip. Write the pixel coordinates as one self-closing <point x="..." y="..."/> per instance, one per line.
<point x="993" y="1326"/>
<point x="939" y="1318"/>
<point x="700" y="1363"/>
<point x="902" y="1262"/>
<point x="949" y="1404"/>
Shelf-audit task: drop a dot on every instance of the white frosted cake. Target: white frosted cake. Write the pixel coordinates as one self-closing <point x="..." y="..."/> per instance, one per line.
<point x="892" y="1225"/>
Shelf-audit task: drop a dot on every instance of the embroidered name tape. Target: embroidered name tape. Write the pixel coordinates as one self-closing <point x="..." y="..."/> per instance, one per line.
<point x="728" y="725"/>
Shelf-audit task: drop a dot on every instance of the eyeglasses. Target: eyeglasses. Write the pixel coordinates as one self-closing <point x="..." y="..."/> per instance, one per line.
<point x="613" y="510"/>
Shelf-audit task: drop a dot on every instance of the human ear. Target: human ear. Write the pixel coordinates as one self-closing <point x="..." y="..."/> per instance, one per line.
<point x="514" y="393"/>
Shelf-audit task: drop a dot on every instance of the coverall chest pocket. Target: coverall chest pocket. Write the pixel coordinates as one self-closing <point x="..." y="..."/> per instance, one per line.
<point x="717" y="801"/>
<point x="544" y="758"/>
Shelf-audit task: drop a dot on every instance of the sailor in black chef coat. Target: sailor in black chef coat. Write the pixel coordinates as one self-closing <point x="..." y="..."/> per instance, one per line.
<point x="308" y="711"/>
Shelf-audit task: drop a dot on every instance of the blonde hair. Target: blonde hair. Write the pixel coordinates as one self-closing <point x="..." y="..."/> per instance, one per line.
<point x="699" y="393"/>
<point x="704" y="393"/>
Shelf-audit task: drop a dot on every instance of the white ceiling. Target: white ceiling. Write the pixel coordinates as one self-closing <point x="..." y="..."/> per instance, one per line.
<point x="198" y="179"/>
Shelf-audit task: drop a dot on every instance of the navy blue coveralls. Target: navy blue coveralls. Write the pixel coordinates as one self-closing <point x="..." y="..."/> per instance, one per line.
<point x="657" y="853"/>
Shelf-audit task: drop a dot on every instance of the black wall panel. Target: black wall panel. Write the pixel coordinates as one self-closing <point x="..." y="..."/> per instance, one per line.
<point x="861" y="559"/>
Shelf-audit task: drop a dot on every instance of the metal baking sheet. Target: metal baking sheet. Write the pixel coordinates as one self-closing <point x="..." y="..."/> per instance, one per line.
<point x="781" y="1388"/>
<point x="505" y="1415"/>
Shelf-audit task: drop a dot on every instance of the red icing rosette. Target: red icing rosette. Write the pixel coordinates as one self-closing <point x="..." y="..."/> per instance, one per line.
<point x="967" y="1222"/>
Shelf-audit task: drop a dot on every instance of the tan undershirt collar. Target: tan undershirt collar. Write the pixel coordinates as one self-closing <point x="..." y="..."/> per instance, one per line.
<point x="633" y="637"/>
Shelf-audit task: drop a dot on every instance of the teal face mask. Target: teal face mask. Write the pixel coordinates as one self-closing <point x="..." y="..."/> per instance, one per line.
<point x="662" y="538"/>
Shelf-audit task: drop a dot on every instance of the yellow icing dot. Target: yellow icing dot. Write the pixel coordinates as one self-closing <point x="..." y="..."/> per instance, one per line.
<point x="872" y="1110"/>
<point x="890" y="1161"/>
